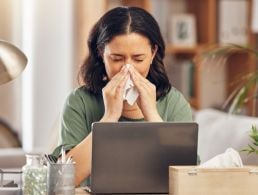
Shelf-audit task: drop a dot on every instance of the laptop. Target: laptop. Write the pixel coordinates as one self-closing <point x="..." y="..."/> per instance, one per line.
<point x="133" y="157"/>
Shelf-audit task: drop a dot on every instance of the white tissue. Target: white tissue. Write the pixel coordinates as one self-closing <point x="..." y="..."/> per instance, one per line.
<point x="230" y="158"/>
<point x="130" y="92"/>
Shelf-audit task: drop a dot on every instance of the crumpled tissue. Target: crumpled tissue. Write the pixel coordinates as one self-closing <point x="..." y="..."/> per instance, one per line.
<point x="130" y="93"/>
<point x="230" y="158"/>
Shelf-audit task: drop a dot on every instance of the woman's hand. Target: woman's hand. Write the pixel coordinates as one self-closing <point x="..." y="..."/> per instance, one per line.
<point x="147" y="96"/>
<point x="113" y="96"/>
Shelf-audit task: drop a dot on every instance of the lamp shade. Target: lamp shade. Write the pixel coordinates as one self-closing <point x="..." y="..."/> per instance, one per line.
<point x="12" y="62"/>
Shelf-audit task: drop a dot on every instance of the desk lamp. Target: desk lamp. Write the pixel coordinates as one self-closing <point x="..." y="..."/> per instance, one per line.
<point x="12" y="62"/>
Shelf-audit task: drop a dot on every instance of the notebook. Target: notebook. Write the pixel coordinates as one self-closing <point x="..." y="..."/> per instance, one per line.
<point x="133" y="157"/>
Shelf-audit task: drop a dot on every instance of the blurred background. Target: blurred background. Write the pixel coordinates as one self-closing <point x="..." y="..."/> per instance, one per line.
<point x="53" y="35"/>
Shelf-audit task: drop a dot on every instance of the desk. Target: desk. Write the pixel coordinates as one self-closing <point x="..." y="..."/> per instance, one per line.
<point x="80" y="191"/>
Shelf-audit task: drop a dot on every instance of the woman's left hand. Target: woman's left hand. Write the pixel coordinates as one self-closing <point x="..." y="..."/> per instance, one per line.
<point x="147" y="96"/>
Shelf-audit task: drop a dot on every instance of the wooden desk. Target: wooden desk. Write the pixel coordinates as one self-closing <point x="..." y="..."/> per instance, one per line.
<point x="80" y="191"/>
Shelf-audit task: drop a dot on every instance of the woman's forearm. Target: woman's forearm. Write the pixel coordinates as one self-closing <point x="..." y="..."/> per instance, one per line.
<point x="81" y="155"/>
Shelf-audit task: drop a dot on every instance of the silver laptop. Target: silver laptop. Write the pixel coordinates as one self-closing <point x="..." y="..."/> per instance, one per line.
<point x="133" y="157"/>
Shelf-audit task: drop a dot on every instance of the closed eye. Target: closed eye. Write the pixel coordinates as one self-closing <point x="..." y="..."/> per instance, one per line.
<point x="139" y="57"/>
<point x="116" y="58"/>
<point x="138" y="60"/>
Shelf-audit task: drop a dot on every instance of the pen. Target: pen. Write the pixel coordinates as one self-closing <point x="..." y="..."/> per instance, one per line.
<point x="63" y="156"/>
<point x="69" y="160"/>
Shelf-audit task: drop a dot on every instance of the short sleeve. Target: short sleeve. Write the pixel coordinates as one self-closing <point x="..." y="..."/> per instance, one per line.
<point x="182" y="109"/>
<point x="174" y="107"/>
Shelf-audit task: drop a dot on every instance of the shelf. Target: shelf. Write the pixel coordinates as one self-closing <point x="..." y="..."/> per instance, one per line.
<point x="181" y="50"/>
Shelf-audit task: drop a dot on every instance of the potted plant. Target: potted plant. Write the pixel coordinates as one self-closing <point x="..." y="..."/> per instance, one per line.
<point x="253" y="147"/>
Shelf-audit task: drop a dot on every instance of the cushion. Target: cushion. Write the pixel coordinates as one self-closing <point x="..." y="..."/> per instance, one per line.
<point x="219" y="131"/>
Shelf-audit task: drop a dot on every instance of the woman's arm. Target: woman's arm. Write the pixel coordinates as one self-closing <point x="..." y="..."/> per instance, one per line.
<point x="75" y="133"/>
<point x="81" y="154"/>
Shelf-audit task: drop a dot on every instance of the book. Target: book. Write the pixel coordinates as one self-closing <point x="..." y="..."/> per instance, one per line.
<point x="180" y="74"/>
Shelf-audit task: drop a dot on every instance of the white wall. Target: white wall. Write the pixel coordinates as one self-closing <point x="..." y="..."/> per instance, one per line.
<point x="47" y="42"/>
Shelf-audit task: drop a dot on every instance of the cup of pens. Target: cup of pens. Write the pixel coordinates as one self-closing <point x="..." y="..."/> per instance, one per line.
<point x="61" y="177"/>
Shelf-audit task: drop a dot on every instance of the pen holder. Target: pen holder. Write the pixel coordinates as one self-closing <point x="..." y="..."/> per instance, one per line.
<point x="61" y="179"/>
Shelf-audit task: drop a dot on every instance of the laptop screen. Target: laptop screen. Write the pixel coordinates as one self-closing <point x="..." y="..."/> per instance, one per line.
<point x="133" y="157"/>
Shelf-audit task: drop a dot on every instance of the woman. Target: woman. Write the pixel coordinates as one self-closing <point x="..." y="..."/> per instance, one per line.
<point x="124" y="35"/>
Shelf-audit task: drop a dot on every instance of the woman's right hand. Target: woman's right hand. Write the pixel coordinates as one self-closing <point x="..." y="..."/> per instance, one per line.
<point x="113" y="96"/>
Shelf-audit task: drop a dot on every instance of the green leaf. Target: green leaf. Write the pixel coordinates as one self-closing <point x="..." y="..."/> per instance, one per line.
<point x="252" y="148"/>
<point x="241" y="95"/>
<point x="238" y="100"/>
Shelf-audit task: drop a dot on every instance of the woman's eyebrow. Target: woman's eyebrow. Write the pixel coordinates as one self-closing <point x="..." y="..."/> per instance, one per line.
<point x="116" y="54"/>
<point x="121" y="55"/>
<point x="139" y="55"/>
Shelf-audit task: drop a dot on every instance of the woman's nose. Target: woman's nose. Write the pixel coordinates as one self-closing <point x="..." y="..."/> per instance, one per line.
<point x="128" y="61"/>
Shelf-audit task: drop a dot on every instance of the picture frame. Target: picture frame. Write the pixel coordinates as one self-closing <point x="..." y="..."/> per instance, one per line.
<point x="183" y="30"/>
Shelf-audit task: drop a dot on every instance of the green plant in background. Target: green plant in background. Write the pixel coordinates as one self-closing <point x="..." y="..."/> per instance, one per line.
<point x="248" y="81"/>
<point x="241" y="94"/>
<point x="253" y="147"/>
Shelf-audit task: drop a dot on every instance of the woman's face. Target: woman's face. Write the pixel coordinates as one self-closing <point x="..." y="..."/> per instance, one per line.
<point x="133" y="49"/>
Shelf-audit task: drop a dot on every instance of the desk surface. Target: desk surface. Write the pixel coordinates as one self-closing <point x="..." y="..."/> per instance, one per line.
<point x="80" y="191"/>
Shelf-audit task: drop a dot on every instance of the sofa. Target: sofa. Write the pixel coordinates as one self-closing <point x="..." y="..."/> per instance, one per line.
<point x="219" y="131"/>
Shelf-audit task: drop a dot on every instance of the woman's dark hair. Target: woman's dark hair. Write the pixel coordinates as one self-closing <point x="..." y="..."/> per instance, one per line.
<point x="118" y="21"/>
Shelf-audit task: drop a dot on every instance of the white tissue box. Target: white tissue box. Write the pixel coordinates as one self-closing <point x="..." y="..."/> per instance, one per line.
<point x="193" y="180"/>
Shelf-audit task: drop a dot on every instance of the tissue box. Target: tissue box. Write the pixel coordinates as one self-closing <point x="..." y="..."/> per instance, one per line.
<point x="193" y="180"/>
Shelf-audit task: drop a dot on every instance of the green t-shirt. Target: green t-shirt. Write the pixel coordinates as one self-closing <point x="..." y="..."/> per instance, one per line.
<point x="82" y="108"/>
